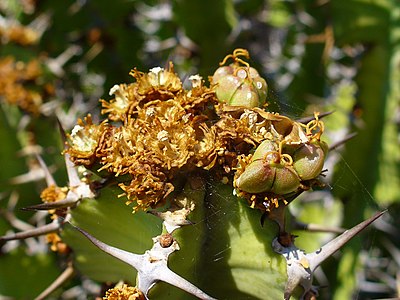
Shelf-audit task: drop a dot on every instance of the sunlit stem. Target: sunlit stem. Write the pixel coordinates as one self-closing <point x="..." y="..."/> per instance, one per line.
<point x="42" y="230"/>
<point x="60" y="280"/>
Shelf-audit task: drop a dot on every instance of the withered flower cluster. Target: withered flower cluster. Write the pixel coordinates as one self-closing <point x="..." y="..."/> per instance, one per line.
<point x="20" y="84"/>
<point x="124" y="292"/>
<point x="157" y="131"/>
<point x="18" y="34"/>
<point x="54" y="193"/>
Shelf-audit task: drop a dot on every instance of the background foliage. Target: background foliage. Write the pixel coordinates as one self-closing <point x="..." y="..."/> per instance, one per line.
<point x="341" y="56"/>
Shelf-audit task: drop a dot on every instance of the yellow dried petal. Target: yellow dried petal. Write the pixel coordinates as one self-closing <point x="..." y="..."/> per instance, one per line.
<point x="53" y="193"/>
<point x="117" y="108"/>
<point x="124" y="292"/>
<point x="84" y="140"/>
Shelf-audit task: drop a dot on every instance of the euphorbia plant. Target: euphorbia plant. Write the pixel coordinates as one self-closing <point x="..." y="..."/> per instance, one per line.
<point x="211" y="165"/>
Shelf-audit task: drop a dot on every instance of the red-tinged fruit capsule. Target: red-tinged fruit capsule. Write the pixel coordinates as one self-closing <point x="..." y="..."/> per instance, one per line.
<point x="258" y="177"/>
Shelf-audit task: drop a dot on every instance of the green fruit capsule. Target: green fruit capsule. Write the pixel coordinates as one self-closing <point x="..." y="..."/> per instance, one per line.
<point x="262" y="149"/>
<point x="259" y="84"/>
<point x="286" y="180"/>
<point x="258" y="177"/>
<point x="261" y="176"/>
<point x="245" y="96"/>
<point x="309" y="160"/>
<point x="265" y="173"/>
<point x="227" y="86"/>
<point x="222" y="72"/>
<point x="240" y="86"/>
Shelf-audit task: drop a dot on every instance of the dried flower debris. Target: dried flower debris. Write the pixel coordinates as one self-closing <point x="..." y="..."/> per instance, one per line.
<point x="21" y="84"/>
<point x="17" y="33"/>
<point x="156" y="131"/>
<point x="124" y="292"/>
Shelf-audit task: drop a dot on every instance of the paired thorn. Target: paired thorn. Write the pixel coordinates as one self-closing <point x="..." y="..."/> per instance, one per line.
<point x="151" y="266"/>
<point x="32" y="175"/>
<point x="311" y="227"/>
<point x="74" y="195"/>
<point x="77" y="189"/>
<point x="317" y="257"/>
<point x="47" y="174"/>
<point x="301" y="266"/>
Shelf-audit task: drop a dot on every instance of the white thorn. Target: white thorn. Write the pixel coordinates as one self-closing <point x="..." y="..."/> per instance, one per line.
<point x="47" y="175"/>
<point x="301" y="266"/>
<point x="317" y="257"/>
<point x="151" y="266"/>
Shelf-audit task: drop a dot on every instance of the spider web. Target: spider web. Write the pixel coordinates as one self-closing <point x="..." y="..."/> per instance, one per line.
<point x="341" y="169"/>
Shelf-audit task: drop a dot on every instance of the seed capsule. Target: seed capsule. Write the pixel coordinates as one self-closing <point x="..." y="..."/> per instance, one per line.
<point x="264" y="149"/>
<point x="237" y="85"/>
<point x="227" y="86"/>
<point x="258" y="177"/>
<point x="309" y="160"/>
<point x="286" y="180"/>
<point x="266" y="173"/>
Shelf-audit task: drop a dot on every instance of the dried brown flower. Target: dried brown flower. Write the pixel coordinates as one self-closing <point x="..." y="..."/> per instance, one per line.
<point x="53" y="193"/>
<point x="15" y="76"/>
<point x="124" y="292"/>
<point x="18" y="34"/>
<point x="56" y="243"/>
<point x="118" y="107"/>
<point x="167" y="131"/>
<point x="84" y="140"/>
